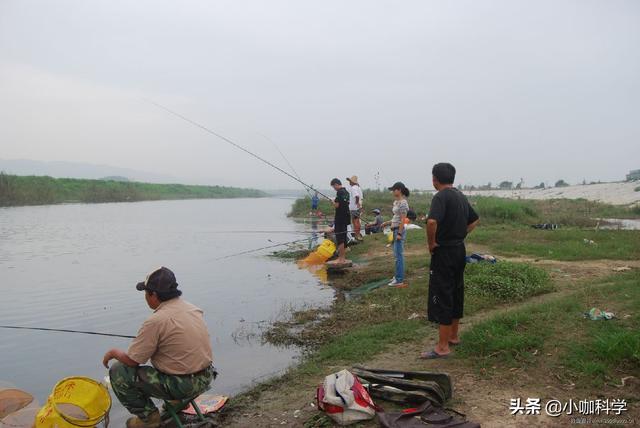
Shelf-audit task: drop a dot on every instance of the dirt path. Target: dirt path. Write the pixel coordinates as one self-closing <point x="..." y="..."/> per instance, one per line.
<point x="484" y="399"/>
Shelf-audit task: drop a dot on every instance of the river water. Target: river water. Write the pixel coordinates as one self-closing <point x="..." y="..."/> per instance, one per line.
<point x="619" y="223"/>
<point x="75" y="266"/>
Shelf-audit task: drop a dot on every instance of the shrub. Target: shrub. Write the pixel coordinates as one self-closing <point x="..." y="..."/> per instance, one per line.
<point x="506" y="281"/>
<point x="499" y="210"/>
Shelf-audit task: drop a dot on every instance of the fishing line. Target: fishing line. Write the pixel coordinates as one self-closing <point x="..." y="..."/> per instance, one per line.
<point x="228" y="256"/>
<point x="285" y="159"/>
<point x="13" y="327"/>
<point x="247" y="151"/>
<point x="236" y="145"/>
<point x="291" y="232"/>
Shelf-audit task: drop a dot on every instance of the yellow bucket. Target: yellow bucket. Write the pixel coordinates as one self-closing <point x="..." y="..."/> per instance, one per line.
<point x="326" y="249"/>
<point x="313" y="259"/>
<point x="75" y="402"/>
<point x="321" y="254"/>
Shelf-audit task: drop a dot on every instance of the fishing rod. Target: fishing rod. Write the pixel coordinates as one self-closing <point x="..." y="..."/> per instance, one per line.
<point x="228" y="256"/>
<point x="13" y="327"/>
<point x="237" y="146"/>
<point x="285" y="159"/>
<point x="291" y="232"/>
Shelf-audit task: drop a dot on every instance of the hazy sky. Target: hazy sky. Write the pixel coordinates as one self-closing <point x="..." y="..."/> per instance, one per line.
<point x="502" y="89"/>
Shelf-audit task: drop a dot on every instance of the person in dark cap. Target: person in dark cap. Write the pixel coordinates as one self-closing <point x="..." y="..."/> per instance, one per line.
<point x="450" y="219"/>
<point x="376" y="225"/>
<point x="176" y="340"/>
<point x="398" y="222"/>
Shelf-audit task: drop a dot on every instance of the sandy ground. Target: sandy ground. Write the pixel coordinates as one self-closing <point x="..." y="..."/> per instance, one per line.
<point x="619" y="193"/>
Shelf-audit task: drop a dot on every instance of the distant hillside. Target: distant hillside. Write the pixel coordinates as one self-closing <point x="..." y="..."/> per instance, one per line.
<point x="59" y="169"/>
<point x="32" y="190"/>
<point x="115" y="178"/>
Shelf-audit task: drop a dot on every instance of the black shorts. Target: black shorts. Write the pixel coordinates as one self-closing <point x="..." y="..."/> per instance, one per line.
<point x="446" y="284"/>
<point x="340" y="230"/>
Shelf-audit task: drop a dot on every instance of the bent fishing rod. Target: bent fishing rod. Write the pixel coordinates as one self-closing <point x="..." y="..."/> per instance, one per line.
<point x="293" y="170"/>
<point x="237" y="146"/>
<point x="95" y="333"/>
<point x="228" y="256"/>
<point x="288" y="232"/>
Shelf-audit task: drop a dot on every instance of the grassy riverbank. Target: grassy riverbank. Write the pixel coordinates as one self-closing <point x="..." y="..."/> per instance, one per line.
<point x="495" y="210"/>
<point x="524" y="334"/>
<point x="34" y="190"/>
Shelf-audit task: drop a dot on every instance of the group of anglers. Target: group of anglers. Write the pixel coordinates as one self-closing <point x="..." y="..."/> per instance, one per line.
<point x="450" y="218"/>
<point x="348" y="209"/>
<point x="175" y="338"/>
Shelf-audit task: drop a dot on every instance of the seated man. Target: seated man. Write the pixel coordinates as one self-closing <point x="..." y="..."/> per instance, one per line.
<point x="176" y="340"/>
<point x="376" y="225"/>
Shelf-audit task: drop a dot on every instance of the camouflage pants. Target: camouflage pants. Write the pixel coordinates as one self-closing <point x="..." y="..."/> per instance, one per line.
<point x="135" y="386"/>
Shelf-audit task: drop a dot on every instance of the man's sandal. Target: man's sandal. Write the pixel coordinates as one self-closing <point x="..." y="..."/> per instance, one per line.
<point x="432" y="355"/>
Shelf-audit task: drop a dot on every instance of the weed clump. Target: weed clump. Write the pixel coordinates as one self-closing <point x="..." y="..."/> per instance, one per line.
<point x="500" y="210"/>
<point x="506" y="281"/>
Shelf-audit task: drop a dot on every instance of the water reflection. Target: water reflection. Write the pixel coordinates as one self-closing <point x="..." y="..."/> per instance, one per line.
<point x="619" y="224"/>
<point x="72" y="266"/>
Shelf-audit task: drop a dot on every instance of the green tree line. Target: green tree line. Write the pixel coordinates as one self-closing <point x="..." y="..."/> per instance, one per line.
<point x="38" y="190"/>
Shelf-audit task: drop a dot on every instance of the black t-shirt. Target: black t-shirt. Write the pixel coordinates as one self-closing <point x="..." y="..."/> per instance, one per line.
<point x="451" y="209"/>
<point x="343" y="216"/>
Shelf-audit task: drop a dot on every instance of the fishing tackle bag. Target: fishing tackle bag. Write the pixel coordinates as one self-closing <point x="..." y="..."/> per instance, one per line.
<point x="343" y="398"/>
<point x="425" y="416"/>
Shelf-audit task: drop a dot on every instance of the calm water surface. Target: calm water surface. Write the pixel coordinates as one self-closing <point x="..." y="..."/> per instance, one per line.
<point x="75" y="267"/>
<point x="620" y="223"/>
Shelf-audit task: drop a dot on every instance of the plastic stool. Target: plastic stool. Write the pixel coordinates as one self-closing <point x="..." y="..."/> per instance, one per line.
<point x="175" y="409"/>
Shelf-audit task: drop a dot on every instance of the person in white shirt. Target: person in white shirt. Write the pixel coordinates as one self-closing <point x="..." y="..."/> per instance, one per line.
<point x="355" y="205"/>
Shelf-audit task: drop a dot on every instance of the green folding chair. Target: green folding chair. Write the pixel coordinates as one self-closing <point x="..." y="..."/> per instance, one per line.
<point x="176" y="408"/>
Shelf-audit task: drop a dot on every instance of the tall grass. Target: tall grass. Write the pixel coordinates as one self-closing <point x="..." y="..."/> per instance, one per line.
<point x="557" y="338"/>
<point x="32" y="190"/>
<point x="561" y="244"/>
<point x="500" y="210"/>
<point x="515" y="337"/>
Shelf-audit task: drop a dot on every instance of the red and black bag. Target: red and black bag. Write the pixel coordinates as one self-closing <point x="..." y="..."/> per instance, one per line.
<point x="344" y="399"/>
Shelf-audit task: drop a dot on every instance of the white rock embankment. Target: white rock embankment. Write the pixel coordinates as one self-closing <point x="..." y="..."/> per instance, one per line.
<point x="618" y="193"/>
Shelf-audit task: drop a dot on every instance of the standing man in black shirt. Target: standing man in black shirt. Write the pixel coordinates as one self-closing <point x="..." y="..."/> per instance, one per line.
<point x="342" y="218"/>
<point x="450" y="219"/>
